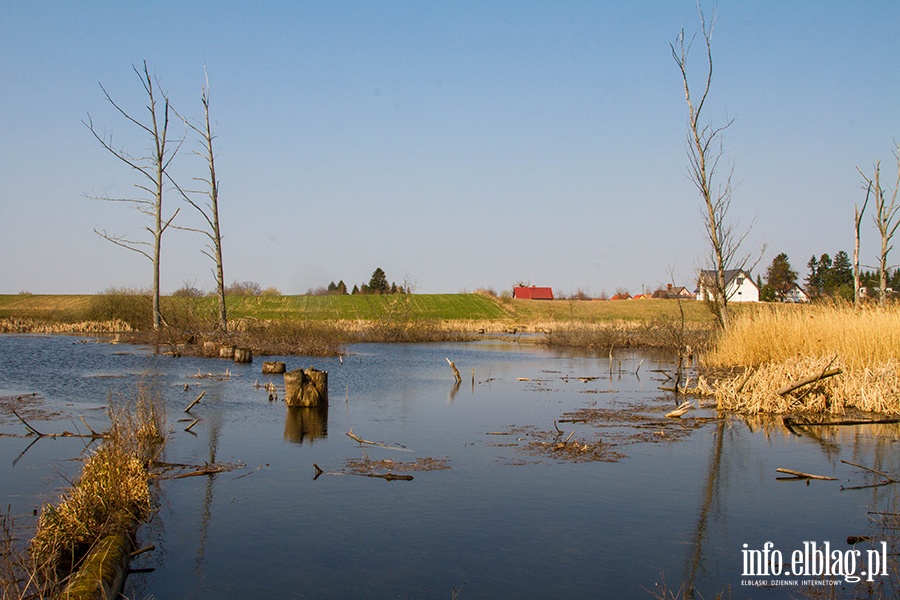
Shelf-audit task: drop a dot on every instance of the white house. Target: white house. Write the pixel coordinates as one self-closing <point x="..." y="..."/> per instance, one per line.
<point x="739" y="286"/>
<point x="795" y="294"/>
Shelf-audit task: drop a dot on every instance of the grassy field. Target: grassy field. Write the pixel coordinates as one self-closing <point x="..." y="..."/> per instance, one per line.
<point x="416" y="307"/>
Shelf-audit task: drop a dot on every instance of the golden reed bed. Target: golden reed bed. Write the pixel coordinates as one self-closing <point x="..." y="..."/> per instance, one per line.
<point x="775" y="345"/>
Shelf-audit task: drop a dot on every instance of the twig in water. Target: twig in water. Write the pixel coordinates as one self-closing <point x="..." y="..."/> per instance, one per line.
<point x="24" y="422"/>
<point x="796" y="475"/>
<point x="191" y="405"/>
<point x="361" y="441"/>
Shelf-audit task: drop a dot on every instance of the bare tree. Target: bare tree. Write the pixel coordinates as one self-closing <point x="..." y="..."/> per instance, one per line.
<point x="704" y="145"/>
<point x="210" y="209"/>
<point x="885" y="219"/>
<point x="857" y="221"/>
<point x="152" y="170"/>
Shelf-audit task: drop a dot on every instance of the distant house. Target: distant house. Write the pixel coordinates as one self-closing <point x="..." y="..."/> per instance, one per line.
<point x="674" y="293"/>
<point x="622" y="296"/>
<point x="533" y="293"/>
<point x="642" y="296"/>
<point x="739" y="286"/>
<point x="795" y="294"/>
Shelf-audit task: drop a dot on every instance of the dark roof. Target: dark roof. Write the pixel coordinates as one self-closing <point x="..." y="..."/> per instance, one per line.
<point x="730" y="274"/>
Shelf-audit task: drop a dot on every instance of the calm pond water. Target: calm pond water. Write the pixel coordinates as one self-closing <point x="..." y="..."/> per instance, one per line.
<point x="501" y="522"/>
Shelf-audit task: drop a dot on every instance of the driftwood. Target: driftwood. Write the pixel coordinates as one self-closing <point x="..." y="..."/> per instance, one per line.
<point x="361" y="441"/>
<point x="682" y="409"/>
<point x="807" y="380"/>
<point x="888" y="480"/>
<point x="194" y="422"/>
<point x="198" y="470"/>
<point x="196" y="400"/>
<point x="386" y="476"/>
<point x="797" y="475"/>
<point x="455" y="371"/>
<point x="93" y="435"/>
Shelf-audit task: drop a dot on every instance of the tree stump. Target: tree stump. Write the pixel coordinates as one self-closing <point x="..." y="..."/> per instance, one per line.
<point x="243" y="355"/>
<point x="306" y="387"/>
<point x="226" y="351"/>
<point x="273" y="368"/>
<point x="210" y="348"/>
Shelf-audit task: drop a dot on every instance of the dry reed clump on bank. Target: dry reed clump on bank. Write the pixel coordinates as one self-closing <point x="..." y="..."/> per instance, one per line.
<point x="26" y="325"/>
<point x="780" y="345"/>
<point x="112" y="493"/>
<point x="666" y="335"/>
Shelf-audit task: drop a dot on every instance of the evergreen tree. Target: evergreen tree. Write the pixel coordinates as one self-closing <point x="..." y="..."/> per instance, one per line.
<point x="842" y="276"/>
<point x="378" y="284"/>
<point x="813" y="282"/>
<point x="342" y="288"/>
<point x="825" y="283"/>
<point x="780" y="276"/>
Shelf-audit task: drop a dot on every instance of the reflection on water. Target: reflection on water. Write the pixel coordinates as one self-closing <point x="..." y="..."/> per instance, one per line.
<point x="305" y="423"/>
<point x="500" y="523"/>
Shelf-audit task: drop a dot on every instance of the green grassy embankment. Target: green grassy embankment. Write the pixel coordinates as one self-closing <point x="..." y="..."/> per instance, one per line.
<point x="525" y="314"/>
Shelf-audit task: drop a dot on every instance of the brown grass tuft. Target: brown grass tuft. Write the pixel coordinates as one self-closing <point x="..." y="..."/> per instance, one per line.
<point x="111" y="494"/>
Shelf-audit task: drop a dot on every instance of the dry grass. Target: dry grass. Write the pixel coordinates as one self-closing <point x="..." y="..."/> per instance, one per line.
<point x="112" y="492"/>
<point x="770" y="333"/>
<point x="783" y="344"/>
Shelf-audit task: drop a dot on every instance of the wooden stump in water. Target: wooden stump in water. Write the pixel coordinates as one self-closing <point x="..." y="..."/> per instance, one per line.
<point x="243" y="355"/>
<point x="306" y="387"/>
<point x="226" y="351"/>
<point x="273" y="367"/>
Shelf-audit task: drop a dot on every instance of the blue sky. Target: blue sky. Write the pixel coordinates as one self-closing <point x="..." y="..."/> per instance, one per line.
<point x="456" y="145"/>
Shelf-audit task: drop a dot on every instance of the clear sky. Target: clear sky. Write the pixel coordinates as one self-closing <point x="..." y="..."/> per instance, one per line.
<point x="456" y="145"/>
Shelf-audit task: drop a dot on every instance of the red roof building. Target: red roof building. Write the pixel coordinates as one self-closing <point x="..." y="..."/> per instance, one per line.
<point x="533" y="293"/>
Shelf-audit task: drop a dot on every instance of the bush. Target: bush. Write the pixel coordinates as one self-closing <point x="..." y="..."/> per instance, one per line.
<point x="131" y="305"/>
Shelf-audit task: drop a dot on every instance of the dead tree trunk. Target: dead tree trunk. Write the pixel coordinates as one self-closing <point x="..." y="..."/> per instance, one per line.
<point x="306" y="387"/>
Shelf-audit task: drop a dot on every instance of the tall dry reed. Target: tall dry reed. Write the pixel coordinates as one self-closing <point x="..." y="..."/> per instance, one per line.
<point x="779" y="345"/>
<point x="860" y="338"/>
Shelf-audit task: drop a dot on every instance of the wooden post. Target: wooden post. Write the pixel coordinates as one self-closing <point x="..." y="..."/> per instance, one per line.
<point x="226" y="351"/>
<point x="307" y="387"/>
<point x="243" y="355"/>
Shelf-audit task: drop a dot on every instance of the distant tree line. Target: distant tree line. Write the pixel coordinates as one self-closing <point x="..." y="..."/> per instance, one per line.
<point x="377" y="284"/>
<point x="827" y="278"/>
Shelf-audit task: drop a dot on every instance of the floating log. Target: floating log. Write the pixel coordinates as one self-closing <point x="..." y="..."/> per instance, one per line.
<point x="801" y="475"/>
<point x="226" y="351"/>
<point x="306" y="387"/>
<point x="807" y="380"/>
<point x="243" y="355"/>
<point x="102" y="573"/>
<point x="273" y="367"/>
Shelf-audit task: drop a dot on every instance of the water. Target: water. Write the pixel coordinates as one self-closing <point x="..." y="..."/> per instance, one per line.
<point x="499" y="523"/>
